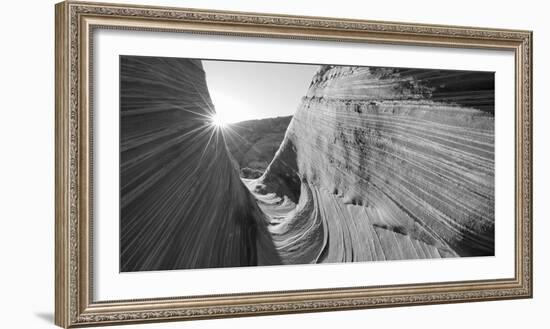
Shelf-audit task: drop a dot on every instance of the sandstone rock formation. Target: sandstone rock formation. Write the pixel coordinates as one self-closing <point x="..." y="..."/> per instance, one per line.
<point x="377" y="164"/>
<point x="182" y="202"/>
<point x="253" y="143"/>
<point x="385" y="164"/>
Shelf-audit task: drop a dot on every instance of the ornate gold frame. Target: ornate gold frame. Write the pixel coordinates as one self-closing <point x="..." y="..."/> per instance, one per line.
<point x="76" y="21"/>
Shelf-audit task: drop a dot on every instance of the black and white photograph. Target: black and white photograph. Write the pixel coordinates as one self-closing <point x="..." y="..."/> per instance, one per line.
<point x="275" y="164"/>
<point x="232" y="163"/>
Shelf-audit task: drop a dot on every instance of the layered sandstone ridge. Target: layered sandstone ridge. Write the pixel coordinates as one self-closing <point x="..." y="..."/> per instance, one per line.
<point x="183" y="204"/>
<point x="376" y="164"/>
<point x="382" y="164"/>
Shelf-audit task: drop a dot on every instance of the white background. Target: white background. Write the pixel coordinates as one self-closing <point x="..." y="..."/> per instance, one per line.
<point x="26" y="175"/>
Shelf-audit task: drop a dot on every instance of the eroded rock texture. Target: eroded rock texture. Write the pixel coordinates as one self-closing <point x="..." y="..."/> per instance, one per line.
<point x="182" y="202"/>
<point x="376" y="164"/>
<point x="382" y="164"/>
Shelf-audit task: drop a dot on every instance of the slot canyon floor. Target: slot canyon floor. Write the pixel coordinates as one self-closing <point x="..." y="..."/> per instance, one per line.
<point x="301" y="234"/>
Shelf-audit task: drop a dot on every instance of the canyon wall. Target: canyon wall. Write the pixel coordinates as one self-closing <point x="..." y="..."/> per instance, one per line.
<point x="376" y="164"/>
<point x="182" y="202"/>
<point x="385" y="164"/>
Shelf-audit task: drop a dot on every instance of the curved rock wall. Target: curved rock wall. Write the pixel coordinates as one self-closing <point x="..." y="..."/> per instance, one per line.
<point x="376" y="164"/>
<point x="389" y="164"/>
<point x="173" y="169"/>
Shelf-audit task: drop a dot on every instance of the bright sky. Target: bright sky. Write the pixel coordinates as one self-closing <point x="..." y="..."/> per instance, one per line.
<point x="250" y="90"/>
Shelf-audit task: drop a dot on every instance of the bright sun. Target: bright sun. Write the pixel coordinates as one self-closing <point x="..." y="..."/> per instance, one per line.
<point x="218" y="121"/>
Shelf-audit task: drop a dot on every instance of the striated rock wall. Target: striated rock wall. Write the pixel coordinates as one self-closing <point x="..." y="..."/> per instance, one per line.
<point x="376" y="164"/>
<point x="182" y="203"/>
<point x="385" y="164"/>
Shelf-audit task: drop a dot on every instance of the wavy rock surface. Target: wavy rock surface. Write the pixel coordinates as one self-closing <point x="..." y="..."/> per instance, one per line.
<point x="183" y="204"/>
<point x="376" y="164"/>
<point x="381" y="164"/>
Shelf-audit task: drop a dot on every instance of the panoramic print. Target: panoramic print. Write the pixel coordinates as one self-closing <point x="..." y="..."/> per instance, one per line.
<point x="234" y="163"/>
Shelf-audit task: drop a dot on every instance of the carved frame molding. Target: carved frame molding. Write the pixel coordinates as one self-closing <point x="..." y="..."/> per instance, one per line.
<point x="75" y="24"/>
